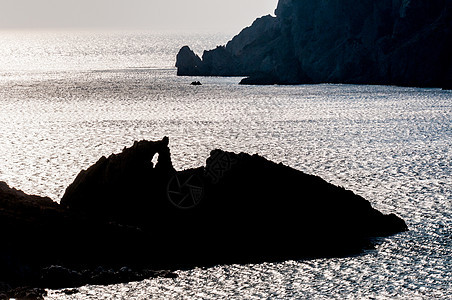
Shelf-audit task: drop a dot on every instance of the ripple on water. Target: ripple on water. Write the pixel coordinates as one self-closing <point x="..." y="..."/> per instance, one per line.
<point x="391" y="145"/>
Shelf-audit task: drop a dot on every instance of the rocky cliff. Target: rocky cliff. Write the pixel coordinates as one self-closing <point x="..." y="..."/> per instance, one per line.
<point x="397" y="42"/>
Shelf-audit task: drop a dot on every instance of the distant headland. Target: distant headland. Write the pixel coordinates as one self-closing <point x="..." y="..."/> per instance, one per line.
<point x="389" y="42"/>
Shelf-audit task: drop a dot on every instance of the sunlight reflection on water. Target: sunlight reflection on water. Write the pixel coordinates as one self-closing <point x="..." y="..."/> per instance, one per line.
<point x="390" y="145"/>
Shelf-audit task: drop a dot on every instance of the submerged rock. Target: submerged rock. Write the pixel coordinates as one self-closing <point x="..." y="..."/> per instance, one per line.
<point x="401" y="42"/>
<point x="123" y="214"/>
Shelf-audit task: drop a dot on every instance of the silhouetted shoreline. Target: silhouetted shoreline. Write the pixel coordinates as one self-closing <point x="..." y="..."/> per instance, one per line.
<point x="124" y="217"/>
<point x="404" y="43"/>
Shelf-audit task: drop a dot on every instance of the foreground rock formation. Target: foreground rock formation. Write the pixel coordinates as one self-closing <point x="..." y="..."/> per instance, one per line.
<point x="237" y="208"/>
<point x="39" y="237"/>
<point x="124" y="213"/>
<point x="401" y="42"/>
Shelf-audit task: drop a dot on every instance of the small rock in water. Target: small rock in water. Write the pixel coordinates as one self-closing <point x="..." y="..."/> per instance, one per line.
<point x="70" y="291"/>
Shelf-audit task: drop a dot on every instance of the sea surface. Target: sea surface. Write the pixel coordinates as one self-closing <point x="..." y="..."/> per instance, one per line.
<point x="68" y="98"/>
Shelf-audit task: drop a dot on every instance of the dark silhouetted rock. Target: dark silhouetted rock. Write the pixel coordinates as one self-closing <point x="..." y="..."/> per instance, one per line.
<point x="259" y="210"/>
<point x="239" y="208"/>
<point x="124" y="187"/>
<point x="24" y="221"/>
<point x="196" y="83"/>
<point x="57" y="276"/>
<point x="123" y="217"/>
<point x="70" y="291"/>
<point x="187" y="62"/>
<point x="401" y="42"/>
<point x="45" y="245"/>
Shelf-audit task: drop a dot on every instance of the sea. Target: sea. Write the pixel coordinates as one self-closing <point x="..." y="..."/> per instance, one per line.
<point x="69" y="97"/>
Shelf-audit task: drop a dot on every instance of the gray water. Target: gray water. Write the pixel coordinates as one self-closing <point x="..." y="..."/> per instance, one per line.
<point x="66" y="99"/>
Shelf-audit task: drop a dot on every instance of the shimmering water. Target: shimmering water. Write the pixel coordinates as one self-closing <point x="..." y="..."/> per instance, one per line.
<point x="68" y="98"/>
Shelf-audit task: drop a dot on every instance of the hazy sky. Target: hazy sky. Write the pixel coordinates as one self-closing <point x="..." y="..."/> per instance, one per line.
<point x="192" y="15"/>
